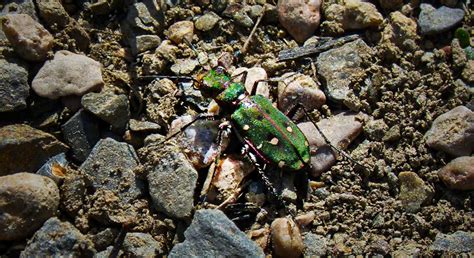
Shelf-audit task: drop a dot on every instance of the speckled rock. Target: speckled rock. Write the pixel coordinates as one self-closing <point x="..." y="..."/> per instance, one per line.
<point x="28" y="37"/>
<point x="468" y="73"/>
<point x="184" y="66"/>
<point x="212" y="234"/>
<point x="64" y="76"/>
<point x="336" y="67"/>
<point x="455" y="243"/>
<point x="253" y="74"/>
<point x="113" y="109"/>
<point x="286" y="238"/>
<point x="141" y="245"/>
<point x="180" y="31"/>
<point x="459" y="173"/>
<point x="81" y="133"/>
<point x="315" y="245"/>
<point x="142" y="43"/>
<point x="453" y="132"/>
<point x="352" y="14"/>
<point x="434" y="21"/>
<point x="26" y="202"/>
<point x="144" y="17"/>
<point x="73" y="192"/>
<point x="375" y="129"/>
<point x="25" y="149"/>
<point x="413" y="191"/>
<point x="58" y="239"/>
<point x="401" y="31"/>
<point x="340" y="130"/>
<point x="300" y="18"/>
<point x="14" y="88"/>
<point x="207" y="21"/>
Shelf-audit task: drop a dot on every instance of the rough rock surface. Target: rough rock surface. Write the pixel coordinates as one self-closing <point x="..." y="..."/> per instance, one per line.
<point x="211" y="234"/>
<point x="434" y="21"/>
<point x="25" y="149"/>
<point x="300" y="18"/>
<point x="413" y="191"/>
<point x="26" y="202"/>
<point x="459" y="173"/>
<point x="14" y="88"/>
<point x="81" y="133"/>
<point x="457" y="242"/>
<point x="113" y="109"/>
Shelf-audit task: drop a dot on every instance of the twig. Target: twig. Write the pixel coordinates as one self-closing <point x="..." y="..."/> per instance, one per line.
<point x="246" y="44"/>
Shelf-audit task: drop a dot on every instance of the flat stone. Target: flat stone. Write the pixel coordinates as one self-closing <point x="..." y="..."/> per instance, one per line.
<point x="336" y="67"/>
<point x="315" y="245"/>
<point x="434" y="21"/>
<point x="143" y="126"/>
<point x="25" y="149"/>
<point x="207" y="21"/>
<point x="110" y="166"/>
<point x="142" y="245"/>
<point x="26" y="202"/>
<point x="58" y="239"/>
<point x="457" y="242"/>
<point x="453" y="132"/>
<point x="212" y="234"/>
<point x="81" y="133"/>
<point x="413" y="191"/>
<point x="28" y="37"/>
<point x="300" y="18"/>
<point x="113" y="109"/>
<point x="14" y="88"/>
<point x="181" y="31"/>
<point x="64" y="76"/>
<point x="145" y="17"/>
<point x="143" y="43"/>
<point x="184" y="66"/>
<point x="459" y="173"/>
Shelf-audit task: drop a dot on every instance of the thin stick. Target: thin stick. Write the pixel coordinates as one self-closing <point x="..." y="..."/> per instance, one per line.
<point x="246" y="44"/>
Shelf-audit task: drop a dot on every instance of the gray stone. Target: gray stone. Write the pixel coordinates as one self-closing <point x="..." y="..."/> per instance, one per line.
<point x="171" y="180"/>
<point x="457" y="242"/>
<point x="207" y="21"/>
<point x="26" y="202"/>
<point x="238" y="12"/>
<point x="58" y="239"/>
<point x="25" y="149"/>
<point x="315" y="245"/>
<point x="184" y="66"/>
<point x="212" y="234"/>
<point x="143" y="126"/>
<point x="143" y="43"/>
<point x="14" y="88"/>
<point x="66" y="75"/>
<point x="81" y="133"/>
<point x="433" y="21"/>
<point x="336" y="67"/>
<point x="141" y="245"/>
<point x="53" y="13"/>
<point x="73" y="193"/>
<point x="54" y="168"/>
<point x="113" y="109"/>
<point x="453" y="132"/>
<point x="110" y="167"/>
<point x="20" y="6"/>
<point x="145" y="17"/>
<point x="28" y="37"/>
<point x="413" y="191"/>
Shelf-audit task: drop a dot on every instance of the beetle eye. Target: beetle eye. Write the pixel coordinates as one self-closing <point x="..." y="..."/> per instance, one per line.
<point x="219" y="70"/>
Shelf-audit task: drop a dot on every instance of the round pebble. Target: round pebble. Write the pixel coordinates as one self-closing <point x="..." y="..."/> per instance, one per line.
<point x="459" y="173"/>
<point x="286" y="238"/>
<point x="300" y="18"/>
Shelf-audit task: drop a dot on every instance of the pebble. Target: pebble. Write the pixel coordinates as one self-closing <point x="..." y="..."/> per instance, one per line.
<point x="81" y="133"/>
<point x="301" y="89"/>
<point x="73" y="193"/>
<point x="26" y="149"/>
<point x="207" y="21"/>
<point x="453" y="132"/>
<point x="340" y="130"/>
<point x="144" y="17"/>
<point x="300" y="18"/>
<point x="53" y="13"/>
<point x="181" y="31"/>
<point x="184" y="66"/>
<point x="337" y="66"/>
<point x="143" y="126"/>
<point x="171" y="179"/>
<point x="286" y="238"/>
<point x="28" y="37"/>
<point x="375" y="129"/>
<point x="14" y="88"/>
<point x="434" y="21"/>
<point x="26" y="202"/>
<point x="24" y="6"/>
<point x="112" y="108"/>
<point x="253" y="74"/>
<point x="468" y="73"/>
<point x="413" y="191"/>
<point x="457" y="242"/>
<point x="55" y="168"/>
<point x="142" y="43"/>
<point x="110" y="166"/>
<point x="459" y="173"/>
<point x="315" y="245"/>
<point x="353" y="15"/>
<point x="391" y="4"/>
<point x="58" y="239"/>
<point x="141" y="245"/>
<point x="401" y="31"/>
<point x="212" y="234"/>
<point x="238" y="13"/>
<point x="64" y="76"/>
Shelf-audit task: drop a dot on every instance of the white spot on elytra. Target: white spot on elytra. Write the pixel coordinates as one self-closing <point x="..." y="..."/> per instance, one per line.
<point x="274" y="141"/>
<point x="259" y="146"/>
<point x="246" y="127"/>
<point x="281" y="164"/>
<point x="289" y="129"/>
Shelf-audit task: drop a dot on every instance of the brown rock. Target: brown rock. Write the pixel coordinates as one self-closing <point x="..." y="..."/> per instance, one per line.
<point x="459" y="173"/>
<point x="300" y="18"/>
<point x="286" y="238"/>
<point x="468" y="72"/>
<point x="181" y="30"/>
<point x="413" y="191"/>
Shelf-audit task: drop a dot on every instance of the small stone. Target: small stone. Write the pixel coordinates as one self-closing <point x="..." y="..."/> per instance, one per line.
<point x="300" y="18"/>
<point x="455" y="243"/>
<point x="53" y="13"/>
<point x="453" y="132"/>
<point x="181" y="31"/>
<point x="286" y="238"/>
<point x="26" y="202"/>
<point x="207" y="21"/>
<point x="65" y="75"/>
<point x="24" y="6"/>
<point x="238" y="12"/>
<point x="110" y="166"/>
<point x="171" y="179"/>
<point x="400" y="31"/>
<point x="73" y="192"/>
<point x="315" y="245"/>
<point x="143" y="126"/>
<point x="55" y="168"/>
<point x="260" y="236"/>
<point x="58" y="239"/>
<point x="413" y="191"/>
<point x="338" y="65"/>
<point x="300" y="89"/>
<point x="375" y="129"/>
<point x="253" y="74"/>
<point x="144" y="17"/>
<point x="391" y="4"/>
<point x="28" y="37"/>
<point x="468" y="73"/>
<point x="434" y="21"/>
<point x="81" y="133"/>
<point x="459" y="173"/>
<point x="340" y="130"/>
<point x="184" y="66"/>
<point x="23" y="148"/>
<point x="113" y="109"/>
<point x="353" y="15"/>
<point x="141" y="245"/>
<point x="14" y="88"/>
<point x="211" y="234"/>
<point x="143" y="43"/>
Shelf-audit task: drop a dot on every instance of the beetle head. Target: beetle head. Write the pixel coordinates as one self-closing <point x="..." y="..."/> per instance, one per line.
<point x="213" y="82"/>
